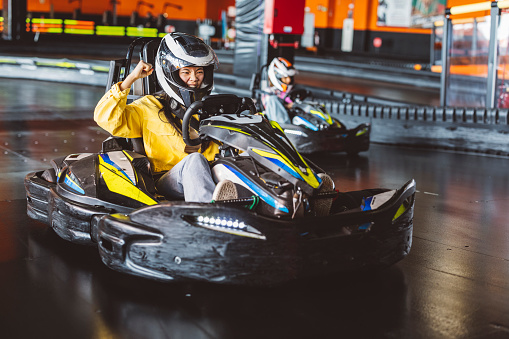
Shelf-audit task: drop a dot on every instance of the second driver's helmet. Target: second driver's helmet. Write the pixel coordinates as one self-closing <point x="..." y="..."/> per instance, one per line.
<point x="178" y="50"/>
<point x="279" y="69"/>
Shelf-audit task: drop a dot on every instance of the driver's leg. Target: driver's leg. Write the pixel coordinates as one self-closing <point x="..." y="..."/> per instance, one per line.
<point x="189" y="179"/>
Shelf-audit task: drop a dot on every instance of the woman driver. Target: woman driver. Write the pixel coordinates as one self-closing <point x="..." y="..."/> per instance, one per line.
<point x="184" y="68"/>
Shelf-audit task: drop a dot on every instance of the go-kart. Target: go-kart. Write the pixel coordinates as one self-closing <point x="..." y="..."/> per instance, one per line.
<point x="313" y="129"/>
<point x="270" y="234"/>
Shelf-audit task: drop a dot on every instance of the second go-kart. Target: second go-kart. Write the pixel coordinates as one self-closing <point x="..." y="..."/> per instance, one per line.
<point x="313" y="129"/>
<point x="270" y="235"/>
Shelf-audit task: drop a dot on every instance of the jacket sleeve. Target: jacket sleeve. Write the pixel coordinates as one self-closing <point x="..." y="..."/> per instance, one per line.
<point x="114" y="115"/>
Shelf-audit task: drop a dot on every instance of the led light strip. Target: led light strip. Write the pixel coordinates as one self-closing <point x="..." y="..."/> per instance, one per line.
<point x="230" y="226"/>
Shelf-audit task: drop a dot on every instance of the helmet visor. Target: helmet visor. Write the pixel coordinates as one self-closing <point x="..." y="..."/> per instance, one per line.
<point x="182" y="50"/>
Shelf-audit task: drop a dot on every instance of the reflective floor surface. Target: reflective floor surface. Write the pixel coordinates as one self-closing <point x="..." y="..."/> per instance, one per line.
<point x="453" y="284"/>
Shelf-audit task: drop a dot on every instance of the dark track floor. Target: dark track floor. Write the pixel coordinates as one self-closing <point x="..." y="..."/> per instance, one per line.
<point x="453" y="284"/>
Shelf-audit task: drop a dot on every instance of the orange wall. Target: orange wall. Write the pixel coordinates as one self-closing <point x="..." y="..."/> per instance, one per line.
<point x="451" y="3"/>
<point x="336" y="10"/>
<point x="364" y="14"/>
<point x="321" y="17"/>
<point x="214" y="8"/>
<point x="191" y="10"/>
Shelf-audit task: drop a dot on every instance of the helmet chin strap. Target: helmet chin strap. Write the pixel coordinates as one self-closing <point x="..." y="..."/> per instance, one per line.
<point x="187" y="96"/>
<point x="177" y="108"/>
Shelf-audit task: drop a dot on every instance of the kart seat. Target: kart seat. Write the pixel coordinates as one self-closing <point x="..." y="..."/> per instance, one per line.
<point x="149" y="52"/>
<point x="120" y="68"/>
<point x="259" y="84"/>
<point x="138" y="146"/>
<point x="146" y="49"/>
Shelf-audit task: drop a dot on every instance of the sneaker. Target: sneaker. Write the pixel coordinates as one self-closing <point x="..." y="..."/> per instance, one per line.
<point x="322" y="206"/>
<point x="225" y="190"/>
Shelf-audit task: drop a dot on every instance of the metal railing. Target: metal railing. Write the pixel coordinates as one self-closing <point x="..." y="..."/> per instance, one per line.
<point x="485" y="75"/>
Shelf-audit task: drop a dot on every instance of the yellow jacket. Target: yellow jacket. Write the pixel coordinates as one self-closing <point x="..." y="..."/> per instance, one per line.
<point x="163" y="144"/>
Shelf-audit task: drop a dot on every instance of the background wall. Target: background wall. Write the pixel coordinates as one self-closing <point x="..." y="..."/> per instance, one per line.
<point x="214" y="8"/>
<point x="328" y="13"/>
<point x="331" y="13"/>
<point x="191" y="10"/>
<point x="397" y="42"/>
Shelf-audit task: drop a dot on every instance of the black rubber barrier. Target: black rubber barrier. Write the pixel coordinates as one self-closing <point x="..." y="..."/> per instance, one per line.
<point x="421" y="113"/>
<point x="466" y="129"/>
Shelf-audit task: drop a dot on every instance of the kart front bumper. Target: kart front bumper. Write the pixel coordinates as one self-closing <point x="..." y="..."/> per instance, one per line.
<point x="73" y="217"/>
<point x="171" y="242"/>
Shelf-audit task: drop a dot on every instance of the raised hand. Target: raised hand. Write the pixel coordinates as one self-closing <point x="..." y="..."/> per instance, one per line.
<point x="142" y="70"/>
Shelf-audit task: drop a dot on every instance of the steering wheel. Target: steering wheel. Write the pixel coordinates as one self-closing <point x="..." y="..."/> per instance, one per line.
<point x="214" y="105"/>
<point x="299" y="93"/>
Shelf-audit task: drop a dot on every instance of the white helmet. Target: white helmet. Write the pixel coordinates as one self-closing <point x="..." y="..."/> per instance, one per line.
<point x="281" y="68"/>
<point x="179" y="50"/>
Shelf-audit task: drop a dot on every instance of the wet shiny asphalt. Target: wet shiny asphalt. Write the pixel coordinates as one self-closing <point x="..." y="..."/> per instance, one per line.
<point x="453" y="284"/>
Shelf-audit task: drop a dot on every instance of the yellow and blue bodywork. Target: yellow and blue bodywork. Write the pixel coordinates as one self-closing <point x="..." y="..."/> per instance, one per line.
<point x="313" y="130"/>
<point x="266" y="155"/>
<point x="114" y="178"/>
